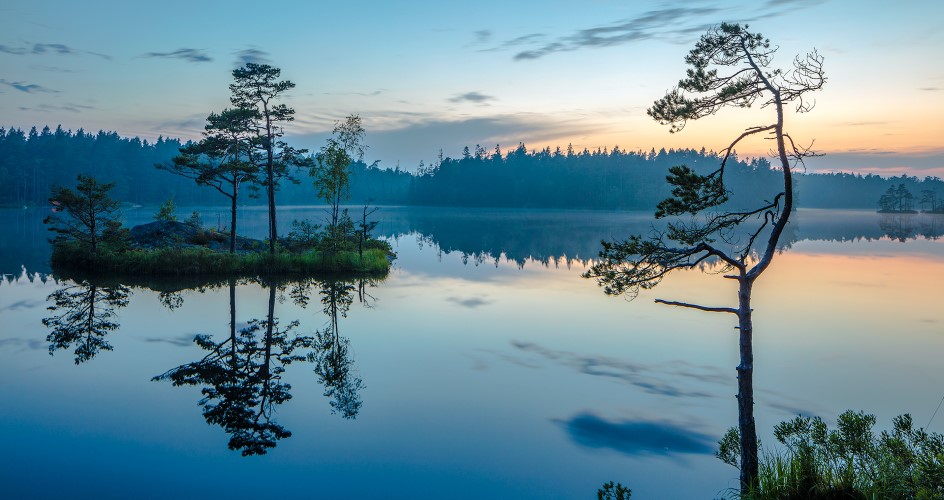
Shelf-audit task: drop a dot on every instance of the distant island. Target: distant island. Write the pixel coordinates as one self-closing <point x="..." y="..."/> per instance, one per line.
<point x="899" y="200"/>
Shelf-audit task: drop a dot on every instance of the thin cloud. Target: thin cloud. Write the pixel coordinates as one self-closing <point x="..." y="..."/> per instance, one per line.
<point x="469" y="302"/>
<point x="646" y="26"/>
<point x="254" y="56"/>
<point x="482" y="36"/>
<point x="29" y="88"/>
<point x="189" y="55"/>
<point x="23" y="304"/>
<point x="676" y="23"/>
<point x="46" y="108"/>
<point x="52" y="69"/>
<point x="671" y="380"/>
<point x="931" y="89"/>
<point x="476" y="97"/>
<point x="39" y="49"/>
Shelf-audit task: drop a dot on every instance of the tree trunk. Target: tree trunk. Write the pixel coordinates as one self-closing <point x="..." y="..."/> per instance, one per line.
<point x="232" y="322"/>
<point x="232" y="221"/>
<point x="270" y="189"/>
<point x="745" y="397"/>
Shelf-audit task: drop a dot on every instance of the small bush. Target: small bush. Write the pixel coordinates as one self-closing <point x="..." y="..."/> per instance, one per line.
<point x="848" y="462"/>
<point x="167" y="211"/>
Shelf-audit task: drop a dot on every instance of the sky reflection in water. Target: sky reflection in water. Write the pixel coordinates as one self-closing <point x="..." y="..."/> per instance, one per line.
<point x="477" y="380"/>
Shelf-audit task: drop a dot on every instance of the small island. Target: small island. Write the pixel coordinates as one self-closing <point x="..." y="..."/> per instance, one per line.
<point x="91" y="239"/>
<point x="899" y="200"/>
<point x="242" y="147"/>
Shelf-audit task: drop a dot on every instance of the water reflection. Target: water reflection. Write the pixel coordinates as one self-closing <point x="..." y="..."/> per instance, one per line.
<point x="486" y="236"/>
<point x="83" y="316"/>
<point x="331" y="357"/>
<point x="241" y="377"/>
<point x="904" y="227"/>
<point x="637" y="437"/>
<point x="240" y="374"/>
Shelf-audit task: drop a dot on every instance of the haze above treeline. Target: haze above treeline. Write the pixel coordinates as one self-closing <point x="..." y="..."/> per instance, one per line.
<point x="32" y="162"/>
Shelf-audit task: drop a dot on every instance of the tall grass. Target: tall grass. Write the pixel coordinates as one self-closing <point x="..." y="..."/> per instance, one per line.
<point x="850" y="462"/>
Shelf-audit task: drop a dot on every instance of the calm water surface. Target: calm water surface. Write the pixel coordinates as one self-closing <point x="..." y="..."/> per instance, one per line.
<point x="483" y="366"/>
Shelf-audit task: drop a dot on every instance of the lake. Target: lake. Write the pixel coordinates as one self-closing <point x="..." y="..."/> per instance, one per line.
<point x="483" y="366"/>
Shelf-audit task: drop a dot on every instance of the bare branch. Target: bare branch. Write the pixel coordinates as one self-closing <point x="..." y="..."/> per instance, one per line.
<point x="696" y="306"/>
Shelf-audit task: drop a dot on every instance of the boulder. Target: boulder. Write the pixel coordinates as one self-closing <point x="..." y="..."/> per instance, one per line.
<point x="164" y="234"/>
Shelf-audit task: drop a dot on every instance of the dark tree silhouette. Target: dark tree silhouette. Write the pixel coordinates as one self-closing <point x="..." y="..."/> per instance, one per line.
<point x="242" y="378"/>
<point x="84" y="315"/>
<point x="729" y="66"/>
<point x="257" y="86"/>
<point x="896" y="199"/>
<point x="331" y="356"/>
<point x="222" y="160"/>
<point x="87" y="216"/>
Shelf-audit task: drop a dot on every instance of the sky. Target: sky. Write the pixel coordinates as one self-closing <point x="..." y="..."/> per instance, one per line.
<point x="427" y="75"/>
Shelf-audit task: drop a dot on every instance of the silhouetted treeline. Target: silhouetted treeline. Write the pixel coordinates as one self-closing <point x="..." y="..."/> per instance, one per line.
<point x="567" y="179"/>
<point x="34" y="161"/>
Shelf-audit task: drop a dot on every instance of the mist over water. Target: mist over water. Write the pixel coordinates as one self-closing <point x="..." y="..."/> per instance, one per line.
<point x="482" y="366"/>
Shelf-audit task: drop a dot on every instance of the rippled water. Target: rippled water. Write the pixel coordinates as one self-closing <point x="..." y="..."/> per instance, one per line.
<point x="483" y="366"/>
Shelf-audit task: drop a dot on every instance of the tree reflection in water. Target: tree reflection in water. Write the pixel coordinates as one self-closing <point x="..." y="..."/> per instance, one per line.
<point x="241" y="376"/>
<point x="331" y="356"/>
<point x="83" y="316"/>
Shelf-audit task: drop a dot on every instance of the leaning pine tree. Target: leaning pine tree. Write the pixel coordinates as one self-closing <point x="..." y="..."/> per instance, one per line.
<point x="729" y="66"/>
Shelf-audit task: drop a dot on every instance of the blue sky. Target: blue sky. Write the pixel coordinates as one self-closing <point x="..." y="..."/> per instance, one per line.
<point x="428" y="75"/>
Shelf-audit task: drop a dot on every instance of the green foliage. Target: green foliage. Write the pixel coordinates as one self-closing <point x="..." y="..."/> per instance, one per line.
<point x="87" y="217"/>
<point x="850" y="461"/>
<point x="332" y="178"/>
<point x="194" y="220"/>
<point x="205" y="262"/>
<point x="614" y="492"/>
<point x="304" y="235"/>
<point x="691" y="192"/>
<point x="167" y="212"/>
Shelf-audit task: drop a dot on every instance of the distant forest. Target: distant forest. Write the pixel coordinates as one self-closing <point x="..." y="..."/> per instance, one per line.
<point x="31" y="163"/>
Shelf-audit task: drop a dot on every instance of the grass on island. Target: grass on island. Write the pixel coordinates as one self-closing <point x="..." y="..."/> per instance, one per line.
<point x="203" y="262"/>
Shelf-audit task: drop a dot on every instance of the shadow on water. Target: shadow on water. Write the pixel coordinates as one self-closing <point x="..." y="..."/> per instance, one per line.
<point x="637" y="437"/>
<point x="240" y="374"/>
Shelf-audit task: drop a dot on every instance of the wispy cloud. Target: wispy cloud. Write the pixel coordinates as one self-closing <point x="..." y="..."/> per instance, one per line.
<point x="483" y="36"/>
<point x="469" y="302"/>
<point x="637" y="437"/>
<point x="47" y="48"/>
<point x="185" y="340"/>
<point x="52" y="69"/>
<point x="251" y="55"/>
<point x="674" y="380"/>
<point x="676" y="22"/>
<point x="23" y="304"/>
<point x="931" y="89"/>
<point x="29" y="88"/>
<point x="189" y="55"/>
<point x="643" y="27"/>
<point x="46" y="108"/>
<point x="476" y="97"/>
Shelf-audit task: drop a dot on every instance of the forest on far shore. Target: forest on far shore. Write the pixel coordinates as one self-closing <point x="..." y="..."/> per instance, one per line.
<point x="33" y="162"/>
